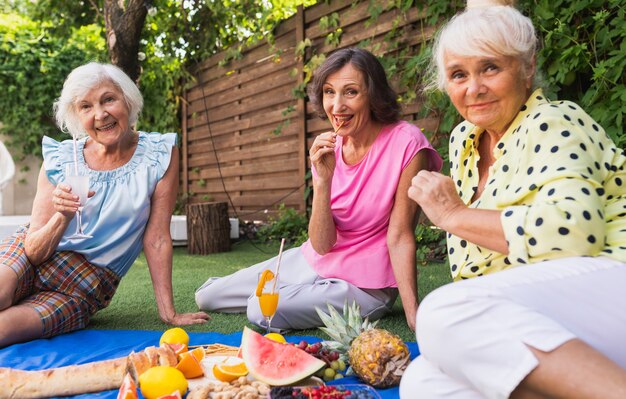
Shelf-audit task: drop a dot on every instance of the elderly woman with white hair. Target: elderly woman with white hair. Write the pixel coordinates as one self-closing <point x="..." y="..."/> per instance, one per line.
<point x="534" y="210"/>
<point x="52" y="282"/>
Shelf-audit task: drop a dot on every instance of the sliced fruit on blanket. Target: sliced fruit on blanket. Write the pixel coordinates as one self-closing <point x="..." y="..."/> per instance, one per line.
<point x="189" y="364"/>
<point x="162" y="380"/>
<point x="275" y="363"/>
<point x="178" y="348"/>
<point x="229" y="372"/>
<point x="128" y="390"/>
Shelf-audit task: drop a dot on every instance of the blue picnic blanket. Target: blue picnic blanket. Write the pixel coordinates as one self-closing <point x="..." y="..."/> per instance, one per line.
<point x="93" y="345"/>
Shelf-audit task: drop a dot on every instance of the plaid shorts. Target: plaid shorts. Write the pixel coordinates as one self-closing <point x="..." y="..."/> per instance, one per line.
<point x="65" y="290"/>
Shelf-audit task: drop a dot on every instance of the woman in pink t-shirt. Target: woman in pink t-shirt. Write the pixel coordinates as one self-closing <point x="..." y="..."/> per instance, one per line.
<point x="362" y="243"/>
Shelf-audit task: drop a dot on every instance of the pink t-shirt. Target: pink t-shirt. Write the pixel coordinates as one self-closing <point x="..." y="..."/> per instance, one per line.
<point x="362" y="197"/>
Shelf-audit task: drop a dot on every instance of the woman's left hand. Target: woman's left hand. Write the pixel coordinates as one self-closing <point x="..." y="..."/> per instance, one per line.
<point x="184" y="319"/>
<point x="436" y="195"/>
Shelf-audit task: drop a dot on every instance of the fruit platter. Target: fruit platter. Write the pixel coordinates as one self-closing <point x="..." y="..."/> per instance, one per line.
<point x="261" y="366"/>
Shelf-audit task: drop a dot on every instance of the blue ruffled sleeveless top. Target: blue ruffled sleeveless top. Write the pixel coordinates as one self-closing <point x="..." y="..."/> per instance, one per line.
<point x="117" y="215"/>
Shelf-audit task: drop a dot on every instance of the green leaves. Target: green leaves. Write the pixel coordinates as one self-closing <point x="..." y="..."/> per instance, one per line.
<point x="33" y="66"/>
<point x="583" y="53"/>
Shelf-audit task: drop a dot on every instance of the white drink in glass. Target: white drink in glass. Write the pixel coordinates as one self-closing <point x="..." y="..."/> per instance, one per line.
<point x="77" y="177"/>
<point x="80" y="187"/>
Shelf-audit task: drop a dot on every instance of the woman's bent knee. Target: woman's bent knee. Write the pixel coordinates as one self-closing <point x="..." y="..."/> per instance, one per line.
<point x="441" y="318"/>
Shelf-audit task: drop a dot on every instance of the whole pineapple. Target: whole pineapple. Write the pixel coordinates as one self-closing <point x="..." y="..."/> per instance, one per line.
<point x="377" y="356"/>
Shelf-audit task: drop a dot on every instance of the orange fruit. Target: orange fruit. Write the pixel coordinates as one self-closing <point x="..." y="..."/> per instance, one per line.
<point x="229" y="372"/>
<point x="198" y="353"/>
<point x="190" y="366"/>
<point x="266" y="276"/>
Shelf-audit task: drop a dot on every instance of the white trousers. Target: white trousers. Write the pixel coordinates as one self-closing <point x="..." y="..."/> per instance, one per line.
<point x="300" y="291"/>
<point x="473" y="334"/>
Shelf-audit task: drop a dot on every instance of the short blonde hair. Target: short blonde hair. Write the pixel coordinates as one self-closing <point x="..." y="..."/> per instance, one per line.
<point x="80" y="81"/>
<point x="485" y="31"/>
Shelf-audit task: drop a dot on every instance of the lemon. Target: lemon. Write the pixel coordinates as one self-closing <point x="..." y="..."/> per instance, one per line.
<point x="162" y="380"/>
<point x="175" y="335"/>
<point x="276" y="337"/>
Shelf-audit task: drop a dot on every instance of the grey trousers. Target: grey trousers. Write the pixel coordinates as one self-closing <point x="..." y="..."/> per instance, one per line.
<point x="301" y="290"/>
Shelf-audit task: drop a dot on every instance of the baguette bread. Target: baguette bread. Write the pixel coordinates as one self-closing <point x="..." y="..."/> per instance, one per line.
<point x="62" y="381"/>
<point x="85" y="378"/>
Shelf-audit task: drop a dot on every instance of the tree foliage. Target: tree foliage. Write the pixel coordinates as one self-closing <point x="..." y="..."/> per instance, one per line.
<point x="582" y="54"/>
<point x="33" y="65"/>
<point x="42" y="41"/>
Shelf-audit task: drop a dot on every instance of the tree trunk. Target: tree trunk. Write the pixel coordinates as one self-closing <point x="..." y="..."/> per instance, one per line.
<point x="208" y="228"/>
<point x="124" y="21"/>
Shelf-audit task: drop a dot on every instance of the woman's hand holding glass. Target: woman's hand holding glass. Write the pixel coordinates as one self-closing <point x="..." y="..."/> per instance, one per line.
<point x="72" y="195"/>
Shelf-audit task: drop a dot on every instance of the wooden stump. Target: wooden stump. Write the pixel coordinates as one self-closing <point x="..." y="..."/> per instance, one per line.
<point x="208" y="228"/>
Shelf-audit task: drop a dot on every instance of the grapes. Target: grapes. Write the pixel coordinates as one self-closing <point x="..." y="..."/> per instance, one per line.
<point x="323" y="392"/>
<point x="335" y="366"/>
<point x="329" y="374"/>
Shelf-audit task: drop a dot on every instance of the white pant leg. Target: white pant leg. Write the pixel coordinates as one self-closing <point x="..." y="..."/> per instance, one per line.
<point x="428" y="382"/>
<point x="301" y="289"/>
<point x="229" y="294"/>
<point x="476" y="331"/>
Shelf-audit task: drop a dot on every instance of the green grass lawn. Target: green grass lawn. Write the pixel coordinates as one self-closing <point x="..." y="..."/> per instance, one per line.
<point x="134" y="308"/>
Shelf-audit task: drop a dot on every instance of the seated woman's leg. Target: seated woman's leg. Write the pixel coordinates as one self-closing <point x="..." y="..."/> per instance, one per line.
<point x="8" y="285"/>
<point x="229" y="294"/>
<point x="19" y="323"/>
<point x="17" y="275"/>
<point x="480" y="332"/>
<point x="428" y="382"/>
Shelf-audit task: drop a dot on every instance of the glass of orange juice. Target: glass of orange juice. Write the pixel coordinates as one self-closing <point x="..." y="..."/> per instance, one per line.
<point x="267" y="291"/>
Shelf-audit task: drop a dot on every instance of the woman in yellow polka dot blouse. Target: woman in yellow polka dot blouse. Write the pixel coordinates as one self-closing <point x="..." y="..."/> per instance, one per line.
<point x="535" y="213"/>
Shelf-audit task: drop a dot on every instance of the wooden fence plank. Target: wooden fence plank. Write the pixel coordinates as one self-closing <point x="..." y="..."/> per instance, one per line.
<point x="234" y="108"/>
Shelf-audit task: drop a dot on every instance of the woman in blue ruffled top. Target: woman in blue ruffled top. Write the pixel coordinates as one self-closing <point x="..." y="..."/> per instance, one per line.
<point x="51" y="282"/>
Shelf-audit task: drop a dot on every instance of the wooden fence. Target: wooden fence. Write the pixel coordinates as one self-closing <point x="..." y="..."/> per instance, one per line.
<point x="232" y="150"/>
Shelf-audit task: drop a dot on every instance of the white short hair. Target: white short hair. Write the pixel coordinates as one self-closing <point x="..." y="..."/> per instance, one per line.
<point x="84" y="78"/>
<point x="486" y="31"/>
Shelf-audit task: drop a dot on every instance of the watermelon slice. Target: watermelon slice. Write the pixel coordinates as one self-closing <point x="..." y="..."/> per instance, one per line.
<point x="276" y="363"/>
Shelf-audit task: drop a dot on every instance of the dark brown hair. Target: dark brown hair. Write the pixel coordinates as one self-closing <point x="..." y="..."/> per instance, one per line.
<point x="383" y="99"/>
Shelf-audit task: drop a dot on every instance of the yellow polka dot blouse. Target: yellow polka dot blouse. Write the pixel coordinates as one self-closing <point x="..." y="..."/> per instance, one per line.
<point x="559" y="181"/>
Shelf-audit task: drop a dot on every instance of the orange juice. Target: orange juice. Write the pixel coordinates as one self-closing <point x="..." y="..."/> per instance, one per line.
<point x="268" y="303"/>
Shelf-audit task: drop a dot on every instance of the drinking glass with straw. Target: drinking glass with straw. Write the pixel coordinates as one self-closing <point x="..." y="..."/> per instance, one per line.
<point x="267" y="290"/>
<point x="77" y="176"/>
